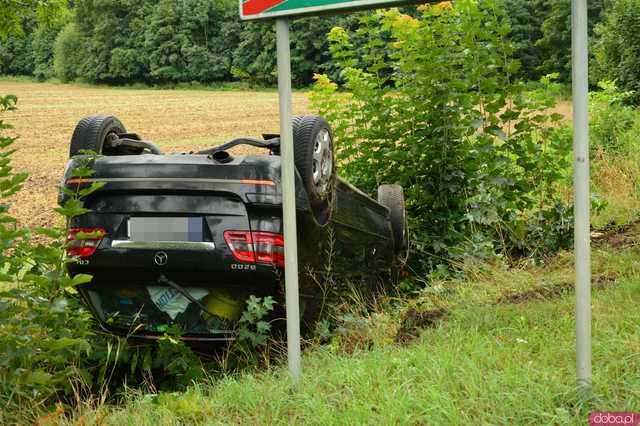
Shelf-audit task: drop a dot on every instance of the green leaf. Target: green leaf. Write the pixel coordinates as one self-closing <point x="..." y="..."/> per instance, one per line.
<point x="40" y="378"/>
<point x="80" y="279"/>
<point x="50" y="232"/>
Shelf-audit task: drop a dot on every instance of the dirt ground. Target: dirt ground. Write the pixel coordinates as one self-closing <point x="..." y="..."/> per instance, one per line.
<point x="177" y="120"/>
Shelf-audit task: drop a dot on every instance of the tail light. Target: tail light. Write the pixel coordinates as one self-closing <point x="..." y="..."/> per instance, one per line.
<point x="83" y="242"/>
<point x="256" y="247"/>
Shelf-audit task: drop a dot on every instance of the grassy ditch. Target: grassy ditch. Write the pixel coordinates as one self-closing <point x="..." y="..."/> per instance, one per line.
<point x="502" y="354"/>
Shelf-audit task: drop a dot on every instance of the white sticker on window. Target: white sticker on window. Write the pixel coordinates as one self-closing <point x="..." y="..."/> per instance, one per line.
<point x="170" y="301"/>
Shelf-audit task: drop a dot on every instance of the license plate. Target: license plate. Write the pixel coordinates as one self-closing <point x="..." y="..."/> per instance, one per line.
<point x="170" y="229"/>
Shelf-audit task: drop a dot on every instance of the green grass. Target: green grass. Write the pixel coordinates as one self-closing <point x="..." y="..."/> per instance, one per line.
<point x="616" y="179"/>
<point x="486" y="363"/>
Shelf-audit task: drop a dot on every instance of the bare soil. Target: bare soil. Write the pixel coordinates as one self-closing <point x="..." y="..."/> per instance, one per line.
<point x="177" y="120"/>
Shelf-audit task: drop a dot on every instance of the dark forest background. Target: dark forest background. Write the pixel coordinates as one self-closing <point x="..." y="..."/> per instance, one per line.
<point x="166" y="42"/>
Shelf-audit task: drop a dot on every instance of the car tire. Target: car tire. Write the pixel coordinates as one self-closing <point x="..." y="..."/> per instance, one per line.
<point x="314" y="158"/>
<point x="392" y="197"/>
<point x="91" y="133"/>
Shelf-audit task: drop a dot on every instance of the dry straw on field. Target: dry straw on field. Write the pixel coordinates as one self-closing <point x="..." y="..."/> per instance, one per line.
<point x="177" y="120"/>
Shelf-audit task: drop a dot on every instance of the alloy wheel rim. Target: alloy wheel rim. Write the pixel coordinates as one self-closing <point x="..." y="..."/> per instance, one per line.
<point x="322" y="167"/>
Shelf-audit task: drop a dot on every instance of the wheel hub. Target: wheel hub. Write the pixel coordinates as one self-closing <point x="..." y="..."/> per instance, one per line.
<point x="322" y="162"/>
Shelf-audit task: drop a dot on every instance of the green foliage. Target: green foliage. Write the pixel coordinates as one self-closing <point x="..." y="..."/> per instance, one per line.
<point x="184" y="41"/>
<point x="610" y="119"/>
<point x="10" y="183"/>
<point x="526" y="17"/>
<point x="42" y="45"/>
<point x="70" y="52"/>
<point x="44" y="331"/>
<point x="16" y="56"/>
<point x="201" y="41"/>
<point x="252" y="327"/>
<point x="541" y="35"/>
<point x="617" y="54"/>
<point x="97" y="23"/>
<point x="555" y="44"/>
<point x="14" y="14"/>
<point x="479" y="158"/>
<point x="165" y="42"/>
<point x="614" y="140"/>
<point x="43" y="346"/>
<point x="158" y="42"/>
<point x="30" y="53"/>
<point x="179" y="365"/>
<point x="254" y="58"/>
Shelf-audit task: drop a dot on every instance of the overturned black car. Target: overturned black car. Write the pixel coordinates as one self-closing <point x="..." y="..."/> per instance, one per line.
<point x="183" y="239"/>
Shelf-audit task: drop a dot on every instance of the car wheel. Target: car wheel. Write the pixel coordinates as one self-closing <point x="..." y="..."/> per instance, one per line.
<point x="95" y="134"/>
<point x="392" y="197"/>
<point x="314" y="157"/>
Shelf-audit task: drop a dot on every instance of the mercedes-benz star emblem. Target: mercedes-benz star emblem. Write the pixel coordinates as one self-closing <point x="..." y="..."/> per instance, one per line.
<point x="161" y="258"/>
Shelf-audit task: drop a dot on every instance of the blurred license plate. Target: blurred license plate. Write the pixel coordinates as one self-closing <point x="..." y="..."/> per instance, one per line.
<point x="150" y="229"/>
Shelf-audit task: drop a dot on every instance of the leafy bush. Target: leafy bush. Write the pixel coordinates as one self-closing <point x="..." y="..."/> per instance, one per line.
<point x="479" y="158"/>
<point x="70" y="51"/>
<point x="44" y="333"/>
<point x="617" y="57"/>
<point x="610" y="119"/>
<point x="253" y="329"/>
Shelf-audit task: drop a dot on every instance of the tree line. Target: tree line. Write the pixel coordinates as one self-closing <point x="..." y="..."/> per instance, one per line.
<point x="204" y="41"/>
<point x="162" y="42"/>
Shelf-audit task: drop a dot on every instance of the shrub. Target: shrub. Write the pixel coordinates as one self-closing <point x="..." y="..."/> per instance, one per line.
<point x="479" y="158"/>
<point x="617" y="57"/>
<point x="69" y="53"/>
<point x="610" y="120"/>
<point x="43" y="334"/>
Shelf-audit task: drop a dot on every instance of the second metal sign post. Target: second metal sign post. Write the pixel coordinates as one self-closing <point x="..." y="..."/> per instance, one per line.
<point x="288" y="200"/>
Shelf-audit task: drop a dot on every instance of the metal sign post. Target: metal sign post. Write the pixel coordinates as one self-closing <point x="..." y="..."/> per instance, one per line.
<point x="288" y="200"/>
<point x="582" y="232"/>
<point x="261" y="9"/>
